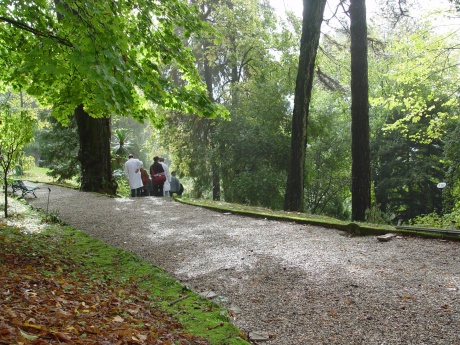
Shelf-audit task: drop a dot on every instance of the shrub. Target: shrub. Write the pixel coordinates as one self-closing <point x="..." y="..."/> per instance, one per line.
<point x="435" y="220"/>
<point x="28" y="163"/>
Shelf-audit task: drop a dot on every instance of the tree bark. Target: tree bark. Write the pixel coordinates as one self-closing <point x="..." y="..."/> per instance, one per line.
<point x="215" y="169"/>
<point x="94" y="153"/>
<point x="5" y="185"/>
<point x="313" y="11"/>
<point x="360" y="150"/>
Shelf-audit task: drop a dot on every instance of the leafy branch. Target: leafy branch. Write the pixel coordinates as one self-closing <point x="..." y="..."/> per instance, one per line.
<point x="36" y="32"/>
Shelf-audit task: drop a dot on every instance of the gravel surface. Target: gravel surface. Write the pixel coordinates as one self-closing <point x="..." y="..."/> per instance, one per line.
<point x="299" y="284"/>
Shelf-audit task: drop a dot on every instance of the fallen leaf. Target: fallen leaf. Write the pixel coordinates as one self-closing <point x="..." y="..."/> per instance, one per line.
<point x="27" y="335"/>
<point x="62" y="337"/>
<point x="32" y="326"/>
<point x="118" y="319"/>
<point x="133" y="311"/>
<point x="4" y="331"/>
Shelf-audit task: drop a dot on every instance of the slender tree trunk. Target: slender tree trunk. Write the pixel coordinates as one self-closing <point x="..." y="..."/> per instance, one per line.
<point x="313" y="11"/>
<point x="215" y="183"/>
<point x="5" y="185"/>
<point x="94" y="153"/>
<point x="215" y="169"/>
<point x="360" y="150"/>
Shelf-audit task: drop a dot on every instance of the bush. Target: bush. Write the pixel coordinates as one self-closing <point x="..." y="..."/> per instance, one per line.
<point x="435" y="220"/>
<point x="375" y="216"/>
<point x="28" y="163"/>
<point x="123" y="186"/>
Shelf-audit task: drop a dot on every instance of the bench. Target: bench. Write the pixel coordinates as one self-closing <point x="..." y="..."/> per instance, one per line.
<point x="25" y="189"/>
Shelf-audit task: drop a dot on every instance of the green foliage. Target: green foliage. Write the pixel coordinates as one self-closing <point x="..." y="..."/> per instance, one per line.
<point x="52" y="218"/>
<point x="406" y="174"/>
<point x="120" y="146"/>
<point x="28" y="163"/>
<point x="16" y="131"/>
<point x="451" y="194"/>
<point x="97" y="59"/>
<point x="413" y="112"/>
<point x="242" y="158"/>
<point x="328" y="161"/>
<point x="421" y="72"/>
<point x="375" y="216"/>
<point x="249" y="150"/>
<point x="253" y="146"/>
<point x="435" y="220"/>
<point x="130" y="136"/>
<point x="24" y="164"/>
<point x="59" y="146"/>
<point x="457" y="4"/>
<point x="58" y="52"/>
<point x="123" y="189"/>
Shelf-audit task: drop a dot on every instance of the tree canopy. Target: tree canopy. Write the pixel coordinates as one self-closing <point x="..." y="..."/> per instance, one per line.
<point x="112" y="57"/>
<point x="123" y="59"/>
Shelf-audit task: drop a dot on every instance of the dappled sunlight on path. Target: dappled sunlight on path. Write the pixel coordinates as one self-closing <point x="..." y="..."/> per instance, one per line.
<point x="301" y="284"/>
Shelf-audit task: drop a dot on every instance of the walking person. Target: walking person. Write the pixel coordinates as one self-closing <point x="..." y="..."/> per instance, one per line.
<point x="133" y="175"/>
<point x="167" y="184"/>
<point x="158" y="176"/>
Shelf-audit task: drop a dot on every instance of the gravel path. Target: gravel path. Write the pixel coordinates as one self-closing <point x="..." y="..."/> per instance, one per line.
<point x="300" y="284"/>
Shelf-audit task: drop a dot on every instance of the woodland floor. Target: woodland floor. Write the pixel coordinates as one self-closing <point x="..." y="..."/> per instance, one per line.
<point x="82" y="309"/>
<point x="298" y="284"/>
<point x="49" y="297"/>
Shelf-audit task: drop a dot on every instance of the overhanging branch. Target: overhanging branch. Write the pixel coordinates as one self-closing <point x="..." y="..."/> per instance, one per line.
<point x="36" y="32"/>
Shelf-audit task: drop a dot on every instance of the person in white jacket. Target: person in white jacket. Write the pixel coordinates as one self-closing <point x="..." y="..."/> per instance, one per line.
<point x="167" y="185"/>
<point x="133" y="174"/>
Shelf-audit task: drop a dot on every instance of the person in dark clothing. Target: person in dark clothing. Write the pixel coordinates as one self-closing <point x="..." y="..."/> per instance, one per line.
<point x="145" y="181"/>
<point x="176" y="186"/>
<point x="156" y="168"/>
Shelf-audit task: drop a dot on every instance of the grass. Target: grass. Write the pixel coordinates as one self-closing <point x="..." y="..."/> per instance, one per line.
<point x="35" y="247"/>
<point x="355" y="228"/>
<point x="101" y="291"/>
<point x="298" y="217"/>
<point x="53" y="252"/>
<point x="38" y="175"/>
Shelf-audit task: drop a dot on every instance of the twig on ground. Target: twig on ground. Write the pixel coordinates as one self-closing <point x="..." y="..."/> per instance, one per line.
<point x="178" y="300"/>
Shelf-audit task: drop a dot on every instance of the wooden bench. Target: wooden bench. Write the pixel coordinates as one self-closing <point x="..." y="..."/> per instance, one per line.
<point x="25" y="189"/>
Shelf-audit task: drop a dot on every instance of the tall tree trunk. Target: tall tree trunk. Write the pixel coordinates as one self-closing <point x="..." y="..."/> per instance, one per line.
<point x="360" y="150"/>
<point x="313" y="11"/>
<point x="215" y="168"/>
<point x="215" y="182"/>
<point x="94" y="153"/>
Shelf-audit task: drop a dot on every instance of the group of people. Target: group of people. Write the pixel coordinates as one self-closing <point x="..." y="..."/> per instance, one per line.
<point x="157" y="182"/>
